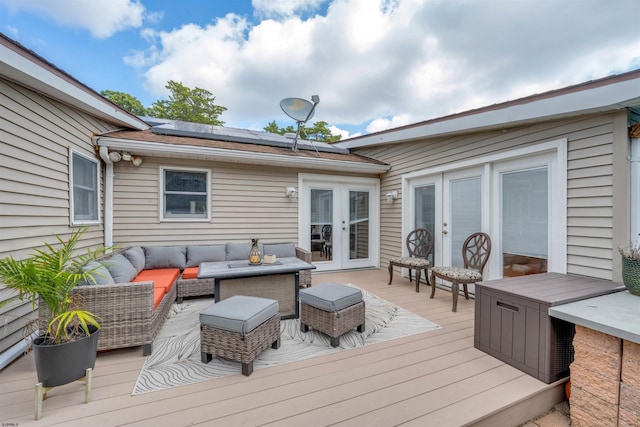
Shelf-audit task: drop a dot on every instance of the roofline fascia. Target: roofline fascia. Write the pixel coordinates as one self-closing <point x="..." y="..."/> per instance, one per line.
<point x="20" y="66"/>
<point x="237" y="156"/>
<point x="611" y="97"/>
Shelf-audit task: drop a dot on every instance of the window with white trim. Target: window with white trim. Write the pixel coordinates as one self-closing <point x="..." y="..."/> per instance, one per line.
<point x="185" y="194"/>
<point x="635" y="190"/>
<point x="84" y="189"/>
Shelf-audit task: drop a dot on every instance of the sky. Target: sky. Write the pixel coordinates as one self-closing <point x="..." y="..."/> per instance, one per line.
<point x="375" y="64"/>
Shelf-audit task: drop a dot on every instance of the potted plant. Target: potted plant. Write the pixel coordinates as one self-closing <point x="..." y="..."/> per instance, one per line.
<point x="631" y="267"/>
<point x="68" y="335"/>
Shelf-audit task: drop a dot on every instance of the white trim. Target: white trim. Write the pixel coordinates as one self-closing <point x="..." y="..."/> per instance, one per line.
<point x="161" y="213"/>
<point x="635" y="190"/>
<point x="607" y="97"/>
<point x="72" y="213"/>
<point x="108" y="197"/>
<point x="247" y="157"/>
<point x="31" y="74"/>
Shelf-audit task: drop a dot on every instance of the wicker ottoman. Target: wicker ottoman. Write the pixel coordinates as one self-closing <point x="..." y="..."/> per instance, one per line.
<point x="239" y="328"/>
<point x="332" y="309"/>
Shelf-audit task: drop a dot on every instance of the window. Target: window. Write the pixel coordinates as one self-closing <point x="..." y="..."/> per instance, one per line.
<point x="84" y="189"/>
<point x="185" y="194"/>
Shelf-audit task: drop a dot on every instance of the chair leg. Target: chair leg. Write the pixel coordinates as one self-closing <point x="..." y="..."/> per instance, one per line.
<point x="433" y="285"/>
<point x="418" y="274"/>
<point x="410" y="279"/>
<point x="466" y="291"/>
<point x="455" y="288"/>
<point x="390" y="273"/>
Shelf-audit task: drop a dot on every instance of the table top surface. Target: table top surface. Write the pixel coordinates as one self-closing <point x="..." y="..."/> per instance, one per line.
<point x="235" y="269"/>
<point x="616" y="314"/>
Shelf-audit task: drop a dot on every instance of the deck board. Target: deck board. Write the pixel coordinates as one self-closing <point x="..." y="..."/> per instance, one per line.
<point x="434" y="378"/>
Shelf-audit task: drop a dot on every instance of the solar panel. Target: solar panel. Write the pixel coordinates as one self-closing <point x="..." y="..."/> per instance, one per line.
<point x="245" y="136"/>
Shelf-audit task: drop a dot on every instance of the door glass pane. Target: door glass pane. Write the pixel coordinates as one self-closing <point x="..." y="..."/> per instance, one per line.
<point x="321" y="225"/>
<point x="466" y="214"/>
<point x="525" y="222"/>
<point x="358" y="224"/>
<point x="425" y="210"/>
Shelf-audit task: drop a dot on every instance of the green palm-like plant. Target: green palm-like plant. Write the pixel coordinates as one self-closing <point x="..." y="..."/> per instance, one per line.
<point x="50" y="275"/>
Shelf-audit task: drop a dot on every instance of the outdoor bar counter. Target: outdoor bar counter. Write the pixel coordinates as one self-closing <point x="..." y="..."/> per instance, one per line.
<point x="605" y="373"/>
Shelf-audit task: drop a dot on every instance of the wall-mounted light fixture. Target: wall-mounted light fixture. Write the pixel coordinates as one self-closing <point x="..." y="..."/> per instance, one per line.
<point x="115" y="157"/>
<point x="391" y="196"/>
<point x="291" y="192"/>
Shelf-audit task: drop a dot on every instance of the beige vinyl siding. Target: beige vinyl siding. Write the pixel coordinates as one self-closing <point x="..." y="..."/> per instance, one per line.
<point x="35" y="135"/>
<point x="592" y="141"/>
<point x="246" y="201"/>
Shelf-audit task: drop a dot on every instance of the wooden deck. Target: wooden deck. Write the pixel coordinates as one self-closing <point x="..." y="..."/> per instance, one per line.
<point x="432" y="379"/>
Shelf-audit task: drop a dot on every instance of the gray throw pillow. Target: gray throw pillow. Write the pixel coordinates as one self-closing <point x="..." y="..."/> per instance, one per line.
<point x="165" y="257"/>
<point x="99" y="272"/>
<point x="197" y="254"/>
<point x="120" y="268"/>
<point x="135" y="255"/>
<point x="280" y="250"/>
<point x="240" y="251"/>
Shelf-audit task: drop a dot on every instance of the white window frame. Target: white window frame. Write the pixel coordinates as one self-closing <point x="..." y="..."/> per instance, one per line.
<point x="72" y="191"/>
<point x="161" y="202"/>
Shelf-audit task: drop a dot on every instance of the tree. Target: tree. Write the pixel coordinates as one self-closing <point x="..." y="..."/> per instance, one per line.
<point x="126" y="101"/>
<point x="317" y="132"/>
<point x="189" y="105"/>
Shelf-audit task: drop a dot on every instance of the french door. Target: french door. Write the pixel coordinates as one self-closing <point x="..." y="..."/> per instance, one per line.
<point x="339" y="222"/>
<point x="450" y="205"/>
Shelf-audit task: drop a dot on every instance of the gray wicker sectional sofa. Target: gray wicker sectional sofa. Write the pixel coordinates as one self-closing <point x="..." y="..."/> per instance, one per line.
<point x="135" y="287"/>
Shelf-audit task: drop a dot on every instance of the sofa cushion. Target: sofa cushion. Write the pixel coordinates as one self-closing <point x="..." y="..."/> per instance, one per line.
<point x="190" y="273"/>
<point x="280" y="250"/>
<point x="136" y="257"/>
<point x="205" y="253"/>
<point x="240" y="251"/>
<point x="165" y="257"/>
<point x="162" y="278"/>
<point x="99" y="272"/>
<point x="158" y="294"/>
<point x="120" y="268"/>
<point x="331" y="297"/>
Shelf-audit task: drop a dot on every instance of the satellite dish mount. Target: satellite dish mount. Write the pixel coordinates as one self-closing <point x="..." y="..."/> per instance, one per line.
<point x="299" y="110"/>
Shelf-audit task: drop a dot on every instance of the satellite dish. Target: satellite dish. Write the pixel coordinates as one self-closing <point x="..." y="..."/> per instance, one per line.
<point x="299" y="110"/>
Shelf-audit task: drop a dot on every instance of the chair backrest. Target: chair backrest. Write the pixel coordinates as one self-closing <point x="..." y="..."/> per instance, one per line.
<point x="420" y="243"/>
<point x="476" y="250"/>
<point x="326" y="232"/>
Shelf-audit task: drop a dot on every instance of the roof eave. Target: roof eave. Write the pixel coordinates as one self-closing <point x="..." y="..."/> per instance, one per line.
<point x="20" y="65"/>
<point x="154" y="149"/>
<point x="598" y="99"/>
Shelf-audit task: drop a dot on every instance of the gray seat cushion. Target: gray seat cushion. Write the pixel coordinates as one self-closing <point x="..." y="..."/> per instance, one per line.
<point x="239" y="313"/>
<point x="331" y="297"/>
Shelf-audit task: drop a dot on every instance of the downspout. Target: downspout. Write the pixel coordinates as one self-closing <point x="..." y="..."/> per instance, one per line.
<point x="108" y="196"/>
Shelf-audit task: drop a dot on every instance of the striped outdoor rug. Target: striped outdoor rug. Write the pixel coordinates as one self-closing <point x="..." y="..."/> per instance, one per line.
<point x="175" y="360"/>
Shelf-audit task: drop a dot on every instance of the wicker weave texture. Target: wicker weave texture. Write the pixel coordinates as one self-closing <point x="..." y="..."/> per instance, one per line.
<point x="238" y="347"/>
<point x="333" y="324"/>
<point x="305" y="275"/>
<point x="194" y="287"/>
<point x="280" y="287"/>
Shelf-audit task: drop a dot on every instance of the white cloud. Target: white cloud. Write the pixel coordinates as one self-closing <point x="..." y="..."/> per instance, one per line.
<point x="387" y="63"/>
<point x="102" y="18"/>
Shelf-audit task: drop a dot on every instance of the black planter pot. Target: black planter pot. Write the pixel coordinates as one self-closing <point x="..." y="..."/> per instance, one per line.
<point x="58" y="364"/>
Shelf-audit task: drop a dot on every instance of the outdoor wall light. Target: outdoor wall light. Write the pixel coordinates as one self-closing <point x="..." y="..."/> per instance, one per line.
<point x="391" y="196"/>
<point x="115" y="157"/>
<point x="291" y="192"/>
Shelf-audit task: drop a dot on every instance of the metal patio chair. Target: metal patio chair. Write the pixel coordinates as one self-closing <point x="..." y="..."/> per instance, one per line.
<point x="419" y="245"/>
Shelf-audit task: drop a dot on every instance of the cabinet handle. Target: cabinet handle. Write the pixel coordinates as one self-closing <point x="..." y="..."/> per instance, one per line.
<point x="506" y="306"/>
